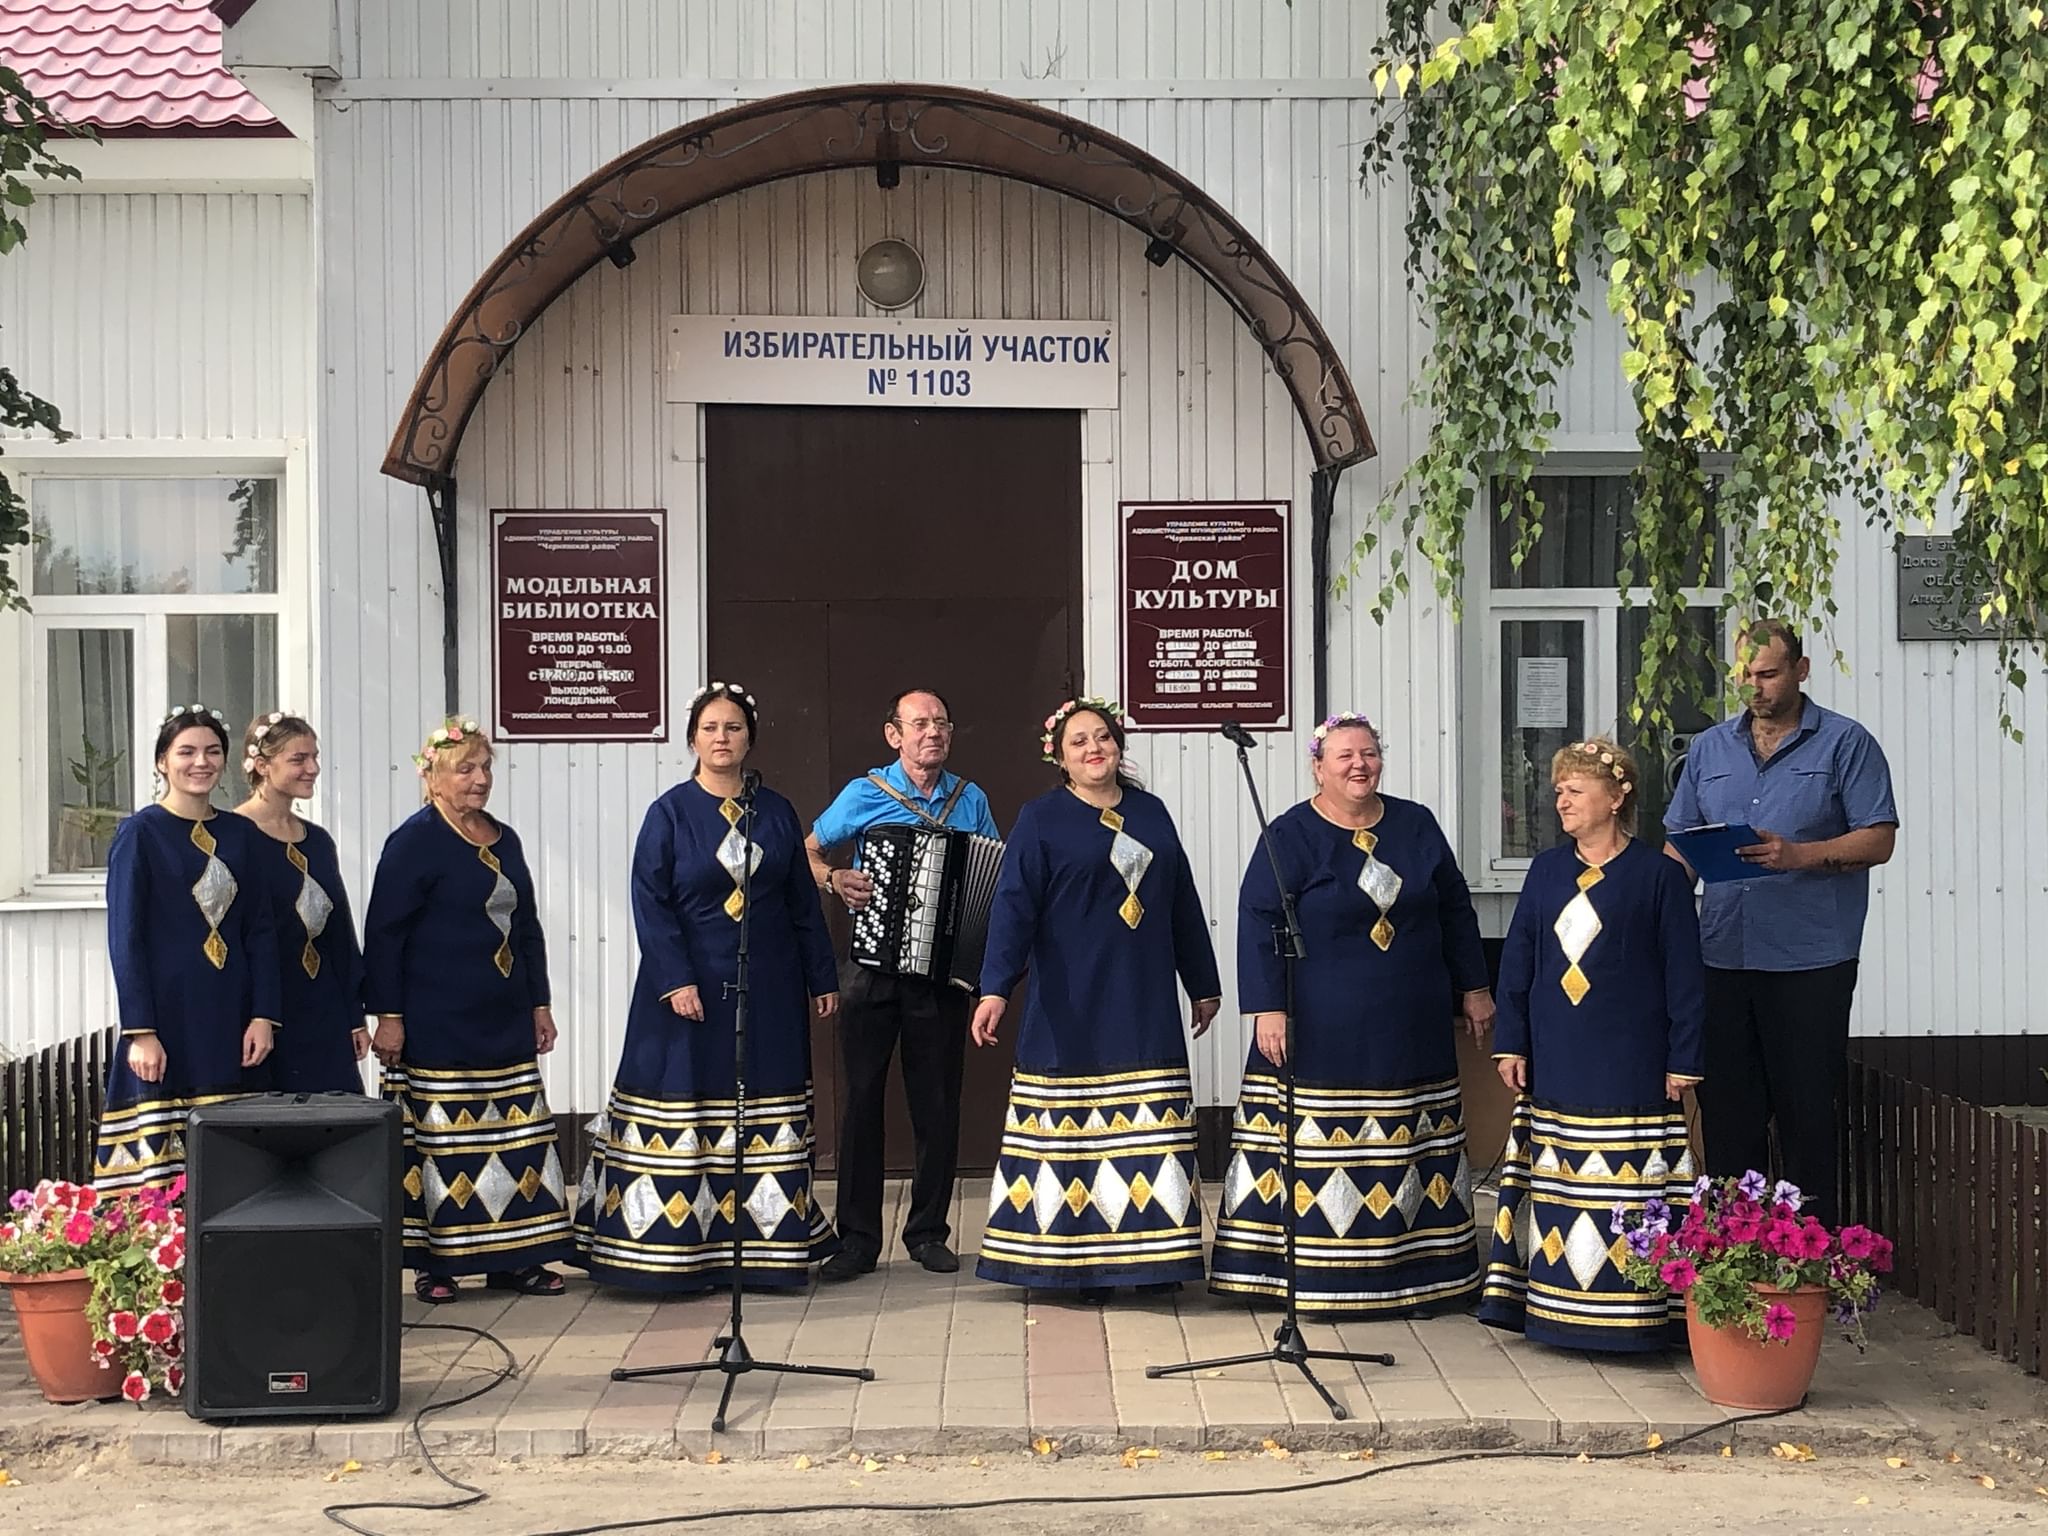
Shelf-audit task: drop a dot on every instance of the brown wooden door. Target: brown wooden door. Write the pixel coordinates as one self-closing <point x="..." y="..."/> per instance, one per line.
<point x="854" y="552"/>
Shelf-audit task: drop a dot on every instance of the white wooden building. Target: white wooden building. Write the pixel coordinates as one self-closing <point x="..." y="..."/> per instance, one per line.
<point x="277" y="326"/>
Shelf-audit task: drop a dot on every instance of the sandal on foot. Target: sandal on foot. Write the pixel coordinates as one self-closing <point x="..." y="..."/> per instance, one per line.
<point x="435" y="1290"/>
<point x="535" y="1281"/>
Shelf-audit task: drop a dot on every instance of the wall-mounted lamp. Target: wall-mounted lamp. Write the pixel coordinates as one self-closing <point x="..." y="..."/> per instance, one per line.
<point x="1159" y="250"/>
<point x="888" y="175"/>
<point x="890" y="274"/>
<point x="620" y="253"/>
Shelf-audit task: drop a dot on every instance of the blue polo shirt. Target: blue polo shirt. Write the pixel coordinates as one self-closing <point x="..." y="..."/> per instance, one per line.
<point x="1828" y="777"/>
<point x="861" y="805"/>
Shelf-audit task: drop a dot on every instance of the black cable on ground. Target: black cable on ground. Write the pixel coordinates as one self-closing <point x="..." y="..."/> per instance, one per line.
<point x="509" y="1369"/>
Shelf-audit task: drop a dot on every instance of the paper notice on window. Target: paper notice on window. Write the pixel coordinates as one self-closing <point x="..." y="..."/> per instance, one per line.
<point x="1542" y="687"/>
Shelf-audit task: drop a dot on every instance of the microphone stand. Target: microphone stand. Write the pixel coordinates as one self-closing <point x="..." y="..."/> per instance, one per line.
<point x="1289" y="1347"/>
<point x="734" y="1359"/>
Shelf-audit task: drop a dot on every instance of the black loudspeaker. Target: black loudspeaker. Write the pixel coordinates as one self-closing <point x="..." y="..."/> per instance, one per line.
<point x="292" y="1257"/>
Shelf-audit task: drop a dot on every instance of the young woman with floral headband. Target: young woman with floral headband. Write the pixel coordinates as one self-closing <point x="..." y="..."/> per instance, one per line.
<point x="456" y="971"/>
<point x="1392" y="959"/>
<point x="1095" y="1184"/>
<point x="318" y="956"/>
<point x="1601" y="1011"/>
<point x="194" y="952"/>
<point x="658" y="1202"/>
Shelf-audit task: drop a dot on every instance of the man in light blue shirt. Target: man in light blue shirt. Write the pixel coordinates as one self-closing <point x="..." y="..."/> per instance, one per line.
<point x="1781" y="949"/>
<point x="878" y="1012"/>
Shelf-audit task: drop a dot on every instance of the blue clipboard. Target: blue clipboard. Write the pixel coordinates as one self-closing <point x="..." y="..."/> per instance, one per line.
<point x="1711" y="852"/>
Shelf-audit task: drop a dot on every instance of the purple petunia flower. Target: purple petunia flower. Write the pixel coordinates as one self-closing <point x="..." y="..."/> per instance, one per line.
<point x="1701" y="1188"/>
<point x="1787" y="1193"/>
<point x="1617" y="1222"/>
<point x="1656" y="1215"/>
<point x="1639" y="1243"/>
<point x="1752" y="1185"/>
<point x="1845" y="1314"/>
<point x="21" y="1199"/>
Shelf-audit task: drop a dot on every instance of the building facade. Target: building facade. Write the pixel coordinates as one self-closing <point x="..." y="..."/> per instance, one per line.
<point x="825" y="550"/>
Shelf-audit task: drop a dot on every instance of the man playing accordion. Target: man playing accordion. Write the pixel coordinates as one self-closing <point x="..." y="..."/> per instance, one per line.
<point x="926" y="1016"/>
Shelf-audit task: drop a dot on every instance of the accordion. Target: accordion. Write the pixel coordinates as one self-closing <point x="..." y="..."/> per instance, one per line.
<point x="929" y="913"/>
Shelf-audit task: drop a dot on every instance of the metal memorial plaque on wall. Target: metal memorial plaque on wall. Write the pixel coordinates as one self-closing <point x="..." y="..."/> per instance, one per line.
<point x="1205" y="614"/>
<point x="579" y="626"/>
<point x="1932" y="603"/>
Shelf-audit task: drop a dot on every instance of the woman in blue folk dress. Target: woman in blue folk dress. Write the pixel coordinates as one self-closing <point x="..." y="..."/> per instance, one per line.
<point x="1391" y="952"/>
<point x="1599" y="1032"/>
<point x="319" y="961"/>
<point x="1095" y="1185"/>
<point x="456" y="971"/>
<point x="195" y="961"/>
<point x="659" y="1204"/>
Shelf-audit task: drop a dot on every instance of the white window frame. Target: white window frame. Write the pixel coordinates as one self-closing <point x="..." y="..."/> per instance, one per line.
<point x="145" y="615"/>
<point x="1486" y="610"/>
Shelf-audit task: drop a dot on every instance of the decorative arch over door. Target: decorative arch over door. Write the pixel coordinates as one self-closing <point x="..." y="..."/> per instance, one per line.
<point x="884" y="128"/>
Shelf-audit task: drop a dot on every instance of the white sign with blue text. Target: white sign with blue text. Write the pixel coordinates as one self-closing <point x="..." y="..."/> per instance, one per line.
<point x="821" y="360"/>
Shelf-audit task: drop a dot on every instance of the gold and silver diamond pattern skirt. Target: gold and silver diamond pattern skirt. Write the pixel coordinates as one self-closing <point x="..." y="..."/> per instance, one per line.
<point x="1382" y="1199"/>
<point x="1555" y="1271"/>
<point x="483" y="1179"/>
<point x="1095" y="1184"/>
<point x="658" y="1202"/>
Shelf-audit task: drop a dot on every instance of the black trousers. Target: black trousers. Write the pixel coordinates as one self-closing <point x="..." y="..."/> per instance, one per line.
<point x="1778" y="1051"/>
<point x="928" y="1021"/>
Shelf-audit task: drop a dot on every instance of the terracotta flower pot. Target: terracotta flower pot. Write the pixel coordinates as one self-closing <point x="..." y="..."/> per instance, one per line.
<point x="57" y="1336"/>
<point x="1739" y="1371"/>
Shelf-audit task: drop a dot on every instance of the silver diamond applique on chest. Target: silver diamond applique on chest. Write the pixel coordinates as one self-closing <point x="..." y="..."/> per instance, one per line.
<point x="1131" y="859"/>
<point x="736" y="854"/>
<point x="1380" y="883"/>
<point x="1577" y="926"/>
<point x="314" y="907"/>
<point x="502" y="902"/>
<point x="214" y="891"/>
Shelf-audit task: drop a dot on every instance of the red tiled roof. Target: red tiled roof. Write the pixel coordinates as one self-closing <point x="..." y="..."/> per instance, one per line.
<point x="129" y="65"/>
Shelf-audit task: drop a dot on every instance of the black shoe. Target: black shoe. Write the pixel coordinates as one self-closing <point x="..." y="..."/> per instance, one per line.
<point x="1160" y="1288"/>
<point x="937" y="1258"/>
<point x="846" y="1264"/>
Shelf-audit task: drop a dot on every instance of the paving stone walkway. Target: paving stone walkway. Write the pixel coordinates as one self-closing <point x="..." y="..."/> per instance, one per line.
<point x="965" y="1366"/>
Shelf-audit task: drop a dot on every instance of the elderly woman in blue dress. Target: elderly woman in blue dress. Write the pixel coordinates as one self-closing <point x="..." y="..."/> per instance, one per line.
<point x="456" y="971"/>
<point x="319" y="961"/>
<point x="1095" y="1185"/>
<point x="659" y="1201"/>
<point x="194" y="951"/>
<point x="1383" y="1185"/>
<point x="1602" y="1001"/>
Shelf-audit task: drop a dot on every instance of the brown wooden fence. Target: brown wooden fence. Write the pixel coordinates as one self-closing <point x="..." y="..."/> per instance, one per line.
<point x="49" y="1109"/>
<point x="1962" y="1191"/>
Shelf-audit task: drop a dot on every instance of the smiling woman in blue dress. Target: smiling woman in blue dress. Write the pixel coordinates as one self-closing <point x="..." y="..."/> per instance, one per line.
<point x="659" y="1203"/>
<point x="457" y="973"/>
<point x="318" y="958"/>
<point x="1095" y="1184"/>
<point x="1602" y="995"/>
<point x="1383" y="1184"/>
<point x="195" y="960"/>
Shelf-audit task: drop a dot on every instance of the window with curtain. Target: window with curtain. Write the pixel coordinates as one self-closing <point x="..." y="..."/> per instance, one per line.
<point x="146" y="593"/>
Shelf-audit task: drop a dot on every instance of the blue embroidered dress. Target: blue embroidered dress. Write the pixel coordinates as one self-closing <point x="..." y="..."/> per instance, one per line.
<point x="194" y="953"/>
<point x="1095" y="1184"/>
<point x="453" y="944"/>
<point x="1602" y="990"/>
<point x="658" y="1201"/>
<point x="319" y="961"/>
<point x="1383" y="1186"/>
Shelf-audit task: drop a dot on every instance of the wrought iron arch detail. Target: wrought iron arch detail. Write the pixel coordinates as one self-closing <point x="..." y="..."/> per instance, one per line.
<point x="848" y="127"/>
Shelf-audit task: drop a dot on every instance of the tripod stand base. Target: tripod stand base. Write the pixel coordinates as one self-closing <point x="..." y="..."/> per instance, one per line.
<point x="1289" y="1348"/>
<point x="735" y="1360"/>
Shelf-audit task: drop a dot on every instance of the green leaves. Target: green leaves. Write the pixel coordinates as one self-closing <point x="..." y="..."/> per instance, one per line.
<point x="1856" y="187"/>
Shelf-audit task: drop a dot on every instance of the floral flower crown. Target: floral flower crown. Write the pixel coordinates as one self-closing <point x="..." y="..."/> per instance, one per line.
<point x="1344" y="719"/>
<point x="1597" y="749"/>
<point x="1108" y="709"/>
<point x="263" y="728"/>
<point x="193" y="712"/>
<point x="717" y="690"/>
<point x="452" y="732"/>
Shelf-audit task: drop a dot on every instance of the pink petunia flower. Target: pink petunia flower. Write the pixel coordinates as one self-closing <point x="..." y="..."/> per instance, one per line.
<point x="124" y="1325"/>
<point x="1678" y="1274"/>
<point x="1858" y="1242"/>
<point x="135" y="1387"/>
<point x="174" y="1378"/>
<point x="1743" y="1222"/>
<point x="1779" y="1323"/>
<point x="174" y="1293"/>
<point x="78" y="1230"/>
<point x="1813" y="1240"/>
<point x="159" y="1326"/>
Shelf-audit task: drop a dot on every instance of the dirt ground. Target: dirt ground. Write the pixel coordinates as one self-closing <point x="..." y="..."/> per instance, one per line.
<point x="1680" y="1494"/>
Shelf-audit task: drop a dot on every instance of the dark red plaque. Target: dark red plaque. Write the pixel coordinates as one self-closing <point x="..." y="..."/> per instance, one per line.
<point x="1205" y="614"/>
<point x="579" y="626"/>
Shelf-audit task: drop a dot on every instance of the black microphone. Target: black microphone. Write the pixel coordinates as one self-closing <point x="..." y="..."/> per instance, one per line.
<point x="1234" y="732"/>
<point x="749" y="782"/>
